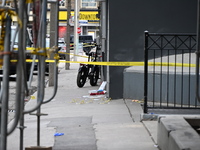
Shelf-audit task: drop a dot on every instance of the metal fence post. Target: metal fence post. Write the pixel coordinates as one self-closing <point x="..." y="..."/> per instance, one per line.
<point x="67" y="57"/>
<point x="5" y="95"/>
<point x="145" y="71"/>
<point x="198" y="52"/>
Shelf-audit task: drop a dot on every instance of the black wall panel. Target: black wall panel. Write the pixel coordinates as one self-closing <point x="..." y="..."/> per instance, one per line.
<point x="129" y="19"/>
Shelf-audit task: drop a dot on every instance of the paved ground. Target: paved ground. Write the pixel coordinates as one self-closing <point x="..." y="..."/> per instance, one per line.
<point x="87" y="123"/>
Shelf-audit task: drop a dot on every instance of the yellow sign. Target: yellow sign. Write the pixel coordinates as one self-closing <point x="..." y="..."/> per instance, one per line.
<point x="88" y="16"/>
<point x="83" y="15"/>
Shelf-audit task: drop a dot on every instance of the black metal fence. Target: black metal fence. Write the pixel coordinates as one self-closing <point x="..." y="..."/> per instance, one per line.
<point x="169" y="72"/>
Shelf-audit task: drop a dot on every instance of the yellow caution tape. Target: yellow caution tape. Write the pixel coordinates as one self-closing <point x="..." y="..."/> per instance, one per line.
<point x="108" y="63"/>
<point x="128" y="63"/>
<point x="105" y="63"/>
<point x="4" y="12"/>
<point x="36" y="51"/>
<point x="118" y="63"/>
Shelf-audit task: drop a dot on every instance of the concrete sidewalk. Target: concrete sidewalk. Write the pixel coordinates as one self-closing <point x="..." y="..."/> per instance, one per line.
<point x="88" y="123"/>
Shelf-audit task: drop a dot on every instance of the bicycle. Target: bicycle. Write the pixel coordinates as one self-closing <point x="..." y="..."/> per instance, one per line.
<point x="88" y="71"/>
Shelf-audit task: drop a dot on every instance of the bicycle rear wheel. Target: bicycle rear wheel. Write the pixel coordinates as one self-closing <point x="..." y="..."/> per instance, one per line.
<point x="94" y="76"/>
<point x="81" y="77"/>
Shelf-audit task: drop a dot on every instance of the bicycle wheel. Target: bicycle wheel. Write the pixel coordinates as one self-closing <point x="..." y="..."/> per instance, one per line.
<point x="81" y="77"/>
<point x="94" y="76"/>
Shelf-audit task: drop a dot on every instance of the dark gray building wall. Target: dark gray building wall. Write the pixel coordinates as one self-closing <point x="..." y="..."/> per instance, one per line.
<point x="130" y="18"/>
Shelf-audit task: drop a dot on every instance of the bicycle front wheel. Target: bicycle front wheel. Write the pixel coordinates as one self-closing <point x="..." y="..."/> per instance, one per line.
<point x="94" y="76"/>
<point x="81" y="77"/>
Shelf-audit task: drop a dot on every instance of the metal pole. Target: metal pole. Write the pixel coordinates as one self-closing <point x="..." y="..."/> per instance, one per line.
<point x="41" y="77"/>
<point x="76" y="22"/>
<point x="18" y="101"/>
<point x="103" y="32"/>
<point x="21" y="68"/>
<point x="67" y="56"/>
<point x="198" y="51"/>
<point x="39" y="42"/>
<point x="103" y="24"/>
<point x="145" y="72"/>
<point x="53" y="38"/>
<point x="5" y="87"/>
<point x="107" y="48"/>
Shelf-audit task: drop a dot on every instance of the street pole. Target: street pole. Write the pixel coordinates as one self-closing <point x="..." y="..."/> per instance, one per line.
<point x="67" y="56"/>
<point x="198" y="50"/>
<point x="53" y="37"/>
<point x="104" y="33"/>
<point x="76" y="36"/>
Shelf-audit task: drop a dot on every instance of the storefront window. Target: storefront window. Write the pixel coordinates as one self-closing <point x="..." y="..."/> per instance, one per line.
<point x="89" y="4"/>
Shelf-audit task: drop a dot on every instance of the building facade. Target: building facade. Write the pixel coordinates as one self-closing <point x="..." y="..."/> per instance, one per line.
<point x="126" y="35"/>
<point x="88" y="21"/>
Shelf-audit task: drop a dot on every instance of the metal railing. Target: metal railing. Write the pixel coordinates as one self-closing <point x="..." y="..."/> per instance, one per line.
<point x="169" y="72"/>
<point x="21" y="11"/>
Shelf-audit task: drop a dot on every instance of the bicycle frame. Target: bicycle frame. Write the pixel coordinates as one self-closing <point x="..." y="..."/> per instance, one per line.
<point x="88" y="71"/>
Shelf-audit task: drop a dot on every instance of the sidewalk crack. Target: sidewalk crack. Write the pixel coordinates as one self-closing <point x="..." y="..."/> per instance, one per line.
<point x="129" y="110"/>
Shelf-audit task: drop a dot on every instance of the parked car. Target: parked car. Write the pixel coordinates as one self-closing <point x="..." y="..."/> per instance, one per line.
<point x="62" y="48"/>
<point x="13" y="67"/>
<point x="87" y="40"/>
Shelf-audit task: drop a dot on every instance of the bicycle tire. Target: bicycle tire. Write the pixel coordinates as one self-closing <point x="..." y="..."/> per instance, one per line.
<point x="94" y="76"/>
<point x="81" y="78"/>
